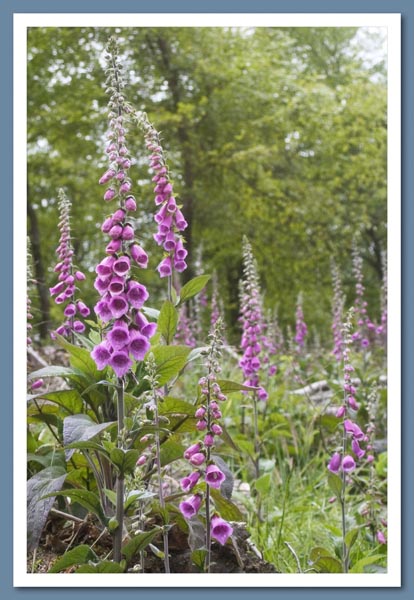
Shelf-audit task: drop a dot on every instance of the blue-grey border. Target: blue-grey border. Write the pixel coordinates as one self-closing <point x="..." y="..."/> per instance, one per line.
<point x="7" y="9"/>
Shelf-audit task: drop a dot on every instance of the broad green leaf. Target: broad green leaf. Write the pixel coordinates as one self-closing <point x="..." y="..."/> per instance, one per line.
<point x="87" y="499"/>
<point x="56" y="371"/>
<point x="111" y="495"/>
<point x="171" y="450"/>
<point x="227" y="439"/>
<point x="351" y="538"/>
<point x="198" y="557"/>
<point x="358" y="567"/>
<point x="152" y="313"/>
<point x="176" y="406"/>
<point x="335" y="483"/>
<point x="169" y="361"/>
<point x="167" y="321"/>
<point x="77" y="556"/>
<point x="193" y="287"/>
<point x="105" y="566"/>
<point x="44" y="483"/>
<point x="124" y="460"/>
<point x="328" y="564"/>
<point x="136" y="495"/>
<point x="138" y="543"/>
<point x="227" y="386"/>
<point x="227" y="509"/>
<point x="89" y="445"/>
<point x="317" y="552"/>
<point x="69" y="400"/>
<point x="80" y="428"/>
<point x="80" y="358"/>
<point x="54" y="458"/>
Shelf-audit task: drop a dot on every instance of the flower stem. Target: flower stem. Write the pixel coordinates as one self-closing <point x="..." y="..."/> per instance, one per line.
<point x="343" y="509"/>
<point x="120" y="476"/>
<point x="160" y="488"/>
<point x="208" y="516"/>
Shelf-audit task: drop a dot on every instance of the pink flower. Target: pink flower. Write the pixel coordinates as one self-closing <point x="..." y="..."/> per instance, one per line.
<point x="335" y="463"/>
<point x="197" y="459"/>
<point x="189" y="508"/>
<point x="214" y="476"/>
<point x="120" y="362"/>
<point x="187" y="483"/>
<point x="348" y="464"/>
<point x="220" y="529"/>
<point x="101" y="355"/>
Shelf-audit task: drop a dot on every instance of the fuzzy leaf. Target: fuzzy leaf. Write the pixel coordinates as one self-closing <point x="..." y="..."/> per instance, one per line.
<point x="124" y="460"/>
<point x="44" y="483"/>
<point x="227" y="509"/>
<point x="167" y="321"/>
<point x="56" y="371"/>
<point x="169" y="361"/>
<point x="138" y="543"/>
<point x="171" y="406"/>
<point x="87" y="499"/>
<point x="171" y="450"/>
<point x="328" y="564"/>
<point x="69" y="400"/>
<point x="193" y="287"/>
<point x="80" y="428"/>
<point x="227" y="386"/>
<point x="77" y="556"/>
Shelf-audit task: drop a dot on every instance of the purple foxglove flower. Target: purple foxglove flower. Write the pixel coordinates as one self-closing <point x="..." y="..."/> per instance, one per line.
<point x="79" y="276"/>
<point x="120" y="176"/>
<point x="59" y="299"/>
<point x="165" y="225"/>
<point x="137" y="294"/>
<point x="116" y="231"/>
<point x="180" y="252"/>
<point x="169" y="244"/>
<point x="118" y="216"/>
<point x="187" y="483"/>
<point x="197" y="459"/>
<point x="147" y="329"/>
<point x="216" y="429"/>
<point x="352" y="403"/>
<point x="103" y="311"/>
<point x="335" y="463"/>
<point x="59" y="287"/>
<point x="139" y="345"/>
<point x="37" y="384"/>
<point x="105" y="266"/>
<point x="357" y="450"/>
<point x="120" y="362"/>
<point x="118" y="337"/>
<point x="70" y="310"/>
<point x="122" y="265"/>
<point x="262" y="394"/>
<point x="107" y="225"/>
<point x="118" y="306"/>
<point x="79" y="327"/>
<point x="83" y="309"/>
<point x="220" y="529"/>
<point x="340" y="412"/>
<point x="128" y="233"/>
<point x="101" y="284"/>
<point x="141" y="460"/>
<point x="208" y="440"/>
<point x="180" y="265"/>
<point x="109" y="194"/>
<point x="192" y="450"/>
<point x="171" y="205"/>
<point x="116" y="285"/>
<point x="139" y="255"/>
<point x="201" y="425"/>
<point x="164" y="268"/>
<point x="180" y="221"/>
<point x="353" y="428"/>
<point x="200" y="412"/>
<point x="189" y="508"/>
<point x="130" y="204"/>
<point x="348" y="464"/>
<point x="113" y="246"/>
<point x="107" y="176"/>
<point x="214" y="477"/>
<point x="101" y="355"/>
<point x="125" y="187"/>
<point x="381" y="538"/>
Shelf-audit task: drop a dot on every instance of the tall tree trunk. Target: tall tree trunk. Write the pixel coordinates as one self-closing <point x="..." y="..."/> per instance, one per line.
<point x="39" y="273"/>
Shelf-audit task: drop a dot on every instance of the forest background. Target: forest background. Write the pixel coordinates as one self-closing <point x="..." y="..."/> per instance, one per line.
<point x="274" y="133"/>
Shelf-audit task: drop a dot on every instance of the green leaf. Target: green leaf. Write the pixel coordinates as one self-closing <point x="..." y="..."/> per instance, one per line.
<point x="80" y="428"/>
<point x="263" y="484"/>
<point x="335" y="483"/>
<point x="227" y="509"/>
<point x="89" y="445"/>
<point x="56" y="371"/>
<point x="171" y="450"/>
<point x="77" y="556"/>
<point x="134" y="496"/>
<point x="198" y="557"/>
<point x="152" y="313"/>
<point x="105" y="566"/>
<point x="167" y="321"/>
<point x="193" y="287"/>
<point x="351" y="538"/>
<point x="138" y="543"/>
<point x="80" y="358"/>
<point x="44" y="483"/>
<point x="328" y="564"/>
<point x="358" y="567"/>
<point x="124" y="460"/>
<point x="111" y="495"/>
<point x="171" y="406"/>
<point x="87" y="499"/>
<point x="227" y="439"/>
<point x="227" y="386"/>
<point x="170" y="360"/>
<point x="69" y="400"/>
<point x="317" y="552"/>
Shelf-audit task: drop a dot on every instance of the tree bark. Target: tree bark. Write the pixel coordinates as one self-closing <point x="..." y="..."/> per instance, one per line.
<point x="39" y="273"/>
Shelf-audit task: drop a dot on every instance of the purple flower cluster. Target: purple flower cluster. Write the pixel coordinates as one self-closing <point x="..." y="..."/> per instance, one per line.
<point x="251" y="319"/>
<point x="301" y="327"/>
<point x="337" y="313"/>
<point x="65" y="290"/>
<point x="208" y="416"/>
<point x="169" y="218"/>
<point x="347" y="462"/>
<point x="128" y="332"/>
<point x="270" y="346"/>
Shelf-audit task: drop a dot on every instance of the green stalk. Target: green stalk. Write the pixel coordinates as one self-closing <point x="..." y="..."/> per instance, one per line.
<point x="343" y="509"/>
<point x="160" y="490"/>
<point x="208" y="516"/>
<point x="120" y="476"/>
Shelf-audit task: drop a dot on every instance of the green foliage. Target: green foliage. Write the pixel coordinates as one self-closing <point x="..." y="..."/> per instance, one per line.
<point x="77" y="556"/>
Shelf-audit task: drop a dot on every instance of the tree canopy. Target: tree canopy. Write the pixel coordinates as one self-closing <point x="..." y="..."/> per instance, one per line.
<point x="274" y="133"/>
